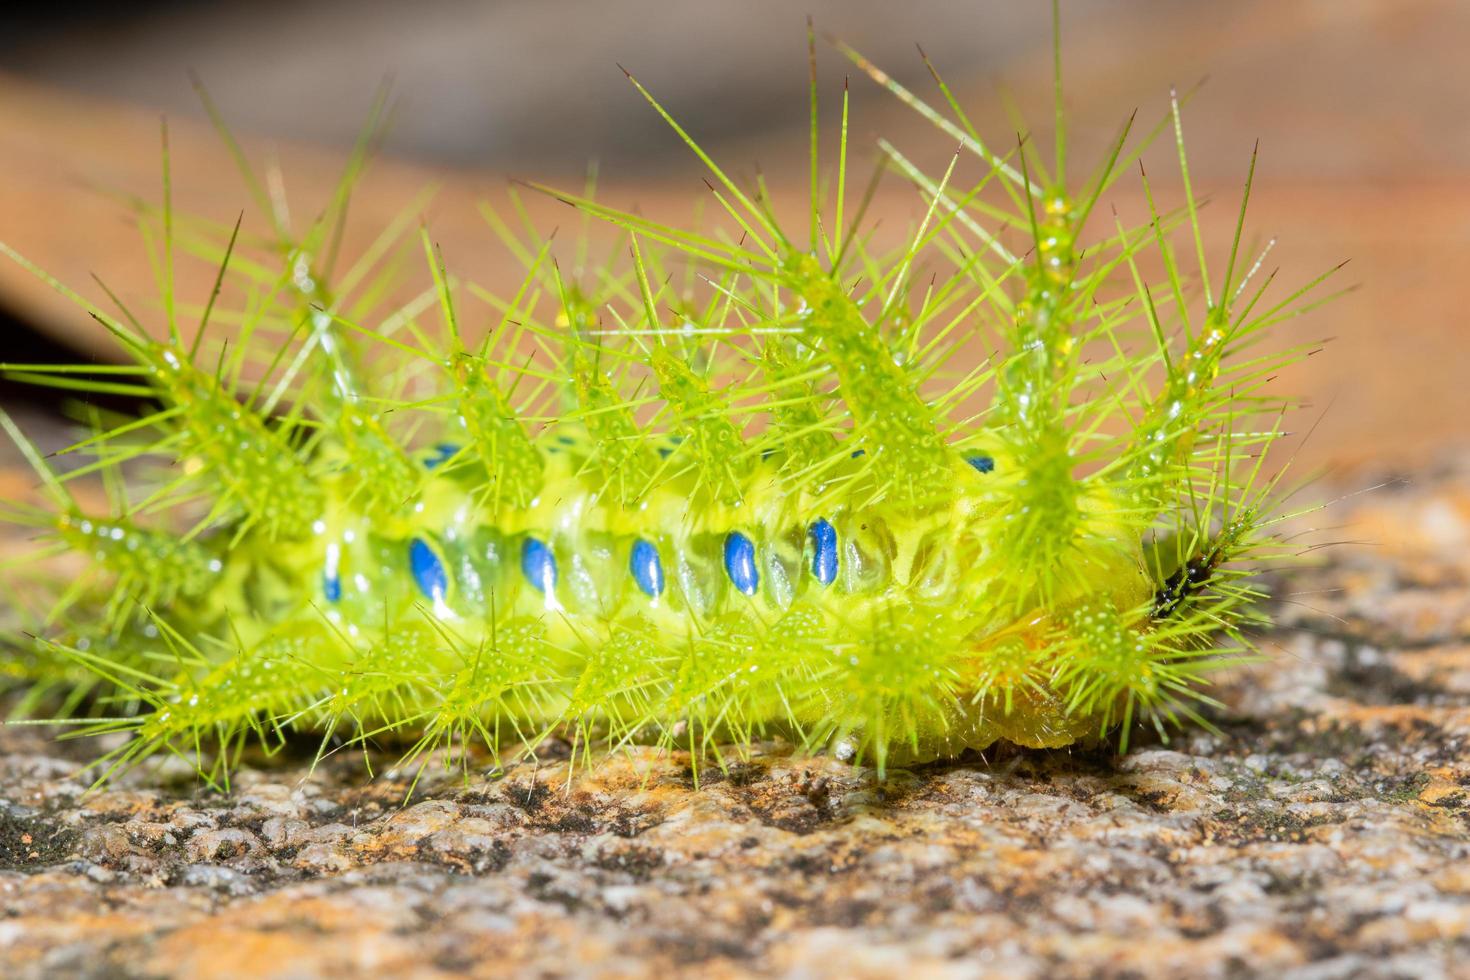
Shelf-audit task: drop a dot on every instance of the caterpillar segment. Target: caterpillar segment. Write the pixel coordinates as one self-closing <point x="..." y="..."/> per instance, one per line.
<point x="799" y="494"/>
<point x="892" y="423"/>
<point x="231" y="452"/>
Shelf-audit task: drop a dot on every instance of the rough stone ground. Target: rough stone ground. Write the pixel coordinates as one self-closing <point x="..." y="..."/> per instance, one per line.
<point x="1324" y="833"/>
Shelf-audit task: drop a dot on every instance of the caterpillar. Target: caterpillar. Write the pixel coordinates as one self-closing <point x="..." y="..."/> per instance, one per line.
<point x="1001" y="479"/>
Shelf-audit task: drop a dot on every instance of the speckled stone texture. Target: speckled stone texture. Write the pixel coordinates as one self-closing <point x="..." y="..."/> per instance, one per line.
<point x="1322" y="834"/>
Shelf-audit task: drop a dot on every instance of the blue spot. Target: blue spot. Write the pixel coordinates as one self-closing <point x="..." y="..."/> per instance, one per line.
<point x="859" y="452"/>
<point x="767" y="453"/>
<point x="566" y="440"/>
<point x="428" y="570"/>
<point x="824" y="550"/>
<point x="984" y="464"/>
<point x="443" y="452"/>
<point x="538" y="564"/>
<point x="332" y="586"/>
<point x="647" y="568"/>
<point x="665" y="452"/>
<point x="740" y="563"/>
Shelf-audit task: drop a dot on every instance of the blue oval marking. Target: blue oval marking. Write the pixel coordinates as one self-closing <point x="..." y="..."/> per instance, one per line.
<point x="428" y="570"/>
<point x="443" y="453"/>
<point x="538" y="564"/>
<point x="647" y="568"/>
<point x="740" y="563"/>
<point x="983" y="464"/>
<point x="331" y="573"/>
<point x="824" y="550"/>
<point x="858" y="452"/>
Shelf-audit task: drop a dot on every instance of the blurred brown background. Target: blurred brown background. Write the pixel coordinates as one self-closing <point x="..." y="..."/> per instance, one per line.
<point x="1362" y="108"/>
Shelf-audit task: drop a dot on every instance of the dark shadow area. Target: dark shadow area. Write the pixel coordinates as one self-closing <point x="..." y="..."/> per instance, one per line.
<point x="24" y="344"/>
<point x="33" y="23"/>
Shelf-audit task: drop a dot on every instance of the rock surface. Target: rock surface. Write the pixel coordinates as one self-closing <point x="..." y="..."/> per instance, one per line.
<point x="1324" y="832"/>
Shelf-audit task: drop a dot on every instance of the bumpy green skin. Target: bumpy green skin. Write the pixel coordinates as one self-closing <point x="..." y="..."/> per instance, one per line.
<point x="366" y="566"/>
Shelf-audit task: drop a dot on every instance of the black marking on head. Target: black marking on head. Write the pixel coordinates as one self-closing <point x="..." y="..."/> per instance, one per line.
<point x="1186" y="582"/>
<point x="1191" y="578"/>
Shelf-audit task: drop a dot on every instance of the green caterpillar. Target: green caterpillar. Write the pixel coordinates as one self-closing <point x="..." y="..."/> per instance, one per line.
<point x="732" y="483"/>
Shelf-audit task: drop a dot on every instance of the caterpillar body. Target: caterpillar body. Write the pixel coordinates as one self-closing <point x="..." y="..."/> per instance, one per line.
<point x="760" y="502"/>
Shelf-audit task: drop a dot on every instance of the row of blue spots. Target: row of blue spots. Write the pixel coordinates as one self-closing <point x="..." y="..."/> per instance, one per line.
<point x="647" y="568"/>
<point x="740" y="565"/>
<point x="427" y="570"/>
<point x="538" y="565"/>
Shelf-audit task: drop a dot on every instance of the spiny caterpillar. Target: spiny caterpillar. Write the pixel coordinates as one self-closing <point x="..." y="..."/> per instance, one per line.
<point x="732" y="483"/>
